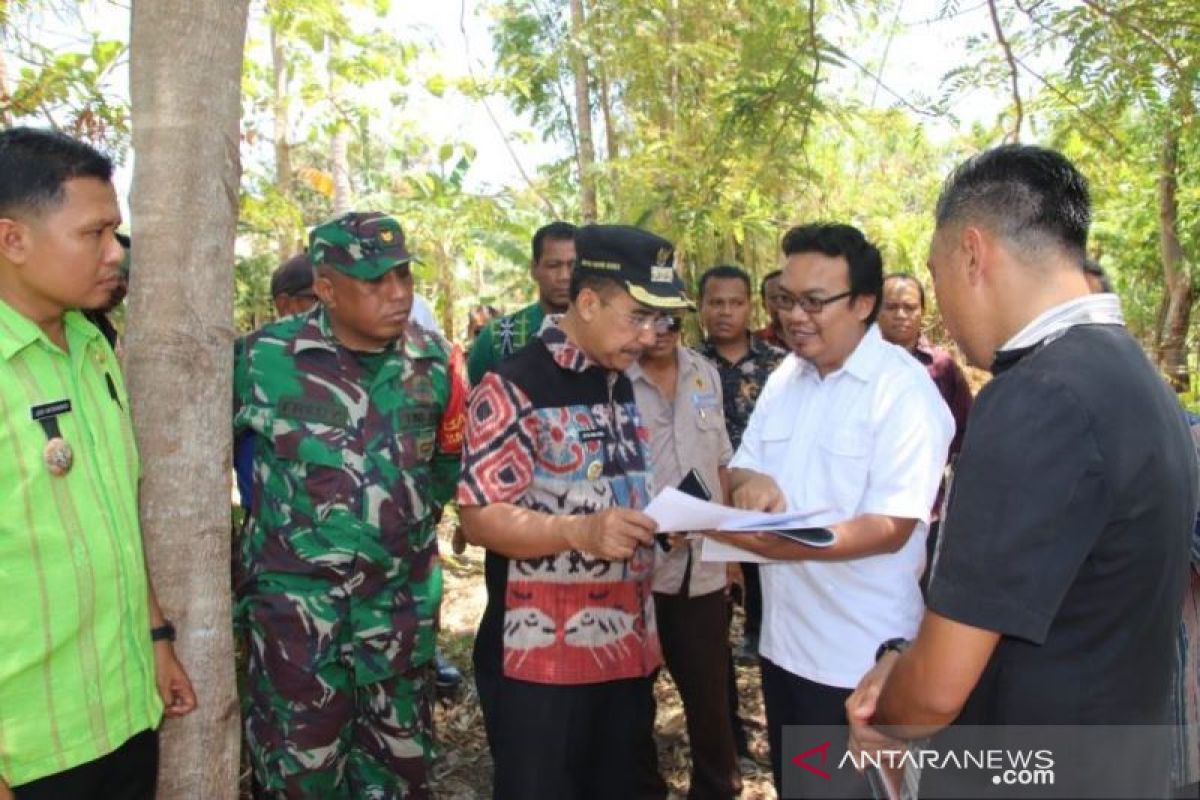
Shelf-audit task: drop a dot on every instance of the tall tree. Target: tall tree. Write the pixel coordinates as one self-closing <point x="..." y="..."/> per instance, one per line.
<point x="586" y="155"/>
<point x="185" y="80"/>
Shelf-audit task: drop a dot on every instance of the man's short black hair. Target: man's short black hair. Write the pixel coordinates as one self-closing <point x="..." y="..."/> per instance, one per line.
<point x="559" y="231"/>
<point x="836" y="239"/>
<point x="724" y="272"/>
<point x="1028" y="195"/>
<point x="36" y="163"/>
<point x="600" y="284"/>
<point x="770" y="276"/>
<point x="904" y="276"/>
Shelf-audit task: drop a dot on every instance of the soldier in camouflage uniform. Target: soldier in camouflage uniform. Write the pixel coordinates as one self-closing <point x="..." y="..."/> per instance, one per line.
<point x="357" y="449"/>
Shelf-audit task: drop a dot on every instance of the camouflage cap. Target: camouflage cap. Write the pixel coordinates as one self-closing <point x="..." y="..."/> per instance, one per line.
<point x="363" y="245"/>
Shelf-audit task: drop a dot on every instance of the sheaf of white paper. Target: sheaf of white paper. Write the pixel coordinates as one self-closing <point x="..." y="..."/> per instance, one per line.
<point x="675" y="511"/>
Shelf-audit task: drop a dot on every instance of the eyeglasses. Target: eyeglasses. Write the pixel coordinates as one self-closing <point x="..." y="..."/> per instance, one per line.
<point x="649" y="321"/>
<point x="808" y="303"/>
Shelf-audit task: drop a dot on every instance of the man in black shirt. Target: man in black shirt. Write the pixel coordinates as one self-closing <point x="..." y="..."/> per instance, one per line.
<point x="1056" y="588"/>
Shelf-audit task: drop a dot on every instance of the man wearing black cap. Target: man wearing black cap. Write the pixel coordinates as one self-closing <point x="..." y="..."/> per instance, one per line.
<point x="555" y="464"/>
<point x="292" y="286"/>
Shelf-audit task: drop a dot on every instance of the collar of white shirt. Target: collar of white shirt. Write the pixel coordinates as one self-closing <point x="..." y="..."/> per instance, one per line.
<point x="1091" y="309"/>
<point x="862" y="363"/>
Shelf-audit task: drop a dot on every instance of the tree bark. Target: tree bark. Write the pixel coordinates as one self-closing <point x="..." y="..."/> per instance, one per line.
<point x="286" y="240"/>
<point x="583" y="117"/>
<point x="1179" y="293"/>
<point x="185" y="80"/>
<point x="445" y="266"/>
<point x="339" y="141"/>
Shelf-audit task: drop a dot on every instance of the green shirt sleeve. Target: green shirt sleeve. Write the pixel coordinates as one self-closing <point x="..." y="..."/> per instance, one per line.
<point x="482" y="357"/>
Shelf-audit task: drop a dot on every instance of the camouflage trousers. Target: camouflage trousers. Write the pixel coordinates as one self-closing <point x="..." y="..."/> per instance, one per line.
<point x="319" y="734"/>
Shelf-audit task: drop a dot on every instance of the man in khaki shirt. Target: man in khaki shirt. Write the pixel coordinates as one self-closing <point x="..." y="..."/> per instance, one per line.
<point x="678" y="395"/>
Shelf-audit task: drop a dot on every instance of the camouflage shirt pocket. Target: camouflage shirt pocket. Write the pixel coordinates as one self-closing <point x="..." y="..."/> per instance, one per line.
<point x="313" y="458"/>
<point x="416" y="435"/>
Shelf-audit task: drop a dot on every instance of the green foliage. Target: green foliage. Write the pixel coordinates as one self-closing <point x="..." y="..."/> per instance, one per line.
<point x="66" y="87"/>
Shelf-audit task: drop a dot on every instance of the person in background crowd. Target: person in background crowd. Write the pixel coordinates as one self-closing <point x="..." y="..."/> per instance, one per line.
<point x="900" y="322"/>
<point x="292" y="286"/>
<point x="477" y="318"/>
<point x="678" y="395"/>
<point x="550" y="267"/>
<point x="422" y="314"/>
<point x="772" y="332"/>
<point x="1098" y="281"/>
<point x="1056" y="591"/>
<point x="743" y="361"/>
<point x="99" y="316"/>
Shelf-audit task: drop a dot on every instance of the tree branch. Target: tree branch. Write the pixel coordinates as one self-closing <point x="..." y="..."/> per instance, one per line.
<point x="1012" y="68"/>
<point x="1119" y="19"/>
<point x="462" y="26"/>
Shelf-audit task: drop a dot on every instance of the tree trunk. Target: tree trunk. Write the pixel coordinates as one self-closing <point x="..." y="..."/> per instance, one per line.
<point x="1177" y="284"/>
<point x="339" y="141"/>
<point x="583" y="116"/>
<point x="445" y="265"/>
<point x="612" y="141"/>
<point x="286" y="240"/>
<point x="185" y="80"/>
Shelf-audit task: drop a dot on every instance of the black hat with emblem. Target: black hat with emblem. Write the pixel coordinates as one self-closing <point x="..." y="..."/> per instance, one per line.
<point x="641" y="261"/>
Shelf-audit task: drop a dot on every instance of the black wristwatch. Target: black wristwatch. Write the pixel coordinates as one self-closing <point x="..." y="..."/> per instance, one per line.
<point x="163" y="633"/>
<point x="898" y="644"/>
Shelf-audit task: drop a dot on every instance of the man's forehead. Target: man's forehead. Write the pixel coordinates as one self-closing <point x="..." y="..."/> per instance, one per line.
<point x="726" y="285"/>
<point x="807" y="272"/>
<point x="86" y="201"/>
<point x="896" y="287"/>
<point x="564" y="248"/>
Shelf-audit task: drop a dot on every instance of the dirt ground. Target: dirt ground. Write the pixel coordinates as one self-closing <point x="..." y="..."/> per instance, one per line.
<point x="463" y="767"/>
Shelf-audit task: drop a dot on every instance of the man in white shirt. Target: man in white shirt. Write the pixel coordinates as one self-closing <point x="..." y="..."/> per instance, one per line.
<point x="851" y="429"/>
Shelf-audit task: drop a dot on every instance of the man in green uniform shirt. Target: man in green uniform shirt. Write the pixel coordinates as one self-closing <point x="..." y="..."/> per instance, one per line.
<point x="86" y="662"/>
<point x="553" y="260"/>
<point x="339" y="585"/>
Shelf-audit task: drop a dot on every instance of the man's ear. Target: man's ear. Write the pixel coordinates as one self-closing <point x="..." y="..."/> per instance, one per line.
<point x="976" y="244"/>
<point x="587" y="304"/>
<point x="15" y="240"/>
<point x="323" y="289"/>
<point x="862" y="305"/>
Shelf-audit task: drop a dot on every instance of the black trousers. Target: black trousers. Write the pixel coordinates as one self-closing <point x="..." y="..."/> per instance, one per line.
<point x="695" y="639"/>
<point x="752" y="602"/>
<point x="567" y="742"/>
<point x="127" y="773"/>
<point x="792" y="700"/>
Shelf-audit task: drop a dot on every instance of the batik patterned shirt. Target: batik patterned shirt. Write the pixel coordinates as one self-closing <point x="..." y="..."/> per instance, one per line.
<point x="552" y="431"/>
<point x="742" y="382"/>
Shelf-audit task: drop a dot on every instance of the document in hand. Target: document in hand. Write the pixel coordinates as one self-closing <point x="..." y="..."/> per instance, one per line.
<point x="675" y="511"/>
